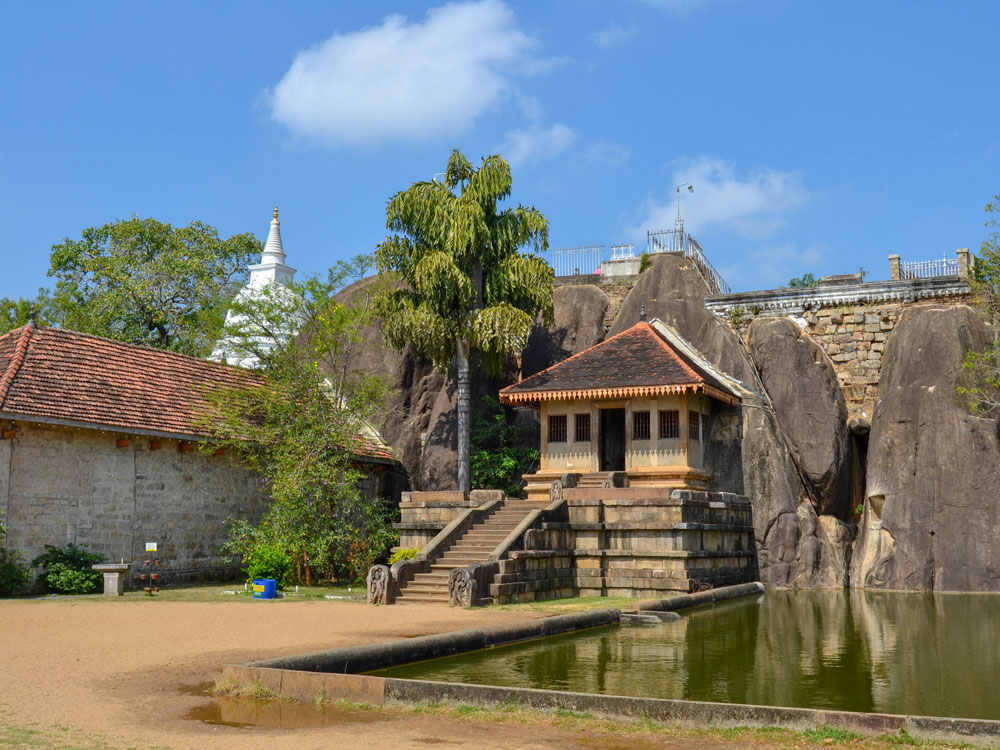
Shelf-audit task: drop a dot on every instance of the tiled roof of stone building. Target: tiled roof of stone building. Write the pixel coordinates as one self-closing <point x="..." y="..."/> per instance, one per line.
<point x="648" y="359"/>
<point x="64" y="377"/>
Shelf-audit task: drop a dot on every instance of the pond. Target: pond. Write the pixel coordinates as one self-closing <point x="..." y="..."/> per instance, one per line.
<point x="902" y="653"/>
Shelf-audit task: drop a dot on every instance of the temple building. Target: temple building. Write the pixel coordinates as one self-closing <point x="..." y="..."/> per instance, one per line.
<point x="270" y="272"/>
<point x="634" y="410"/>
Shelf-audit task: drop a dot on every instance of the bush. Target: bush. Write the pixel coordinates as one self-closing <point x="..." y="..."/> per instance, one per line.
<point x="66" y="570"/>
<point x="500" y="449"/>
<point x="404" y="553"/>
<point x="268" y="561"/>
<point x="13" y="574"/>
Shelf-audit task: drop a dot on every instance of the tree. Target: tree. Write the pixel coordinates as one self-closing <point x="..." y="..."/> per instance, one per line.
<point x="468" y="288"/>
<point x="16" y="313"/>
<point x="983" y="396"/>
<point x="146" y="282"/>
<point x="299" y="422"/>
<point x="803" y="281"/>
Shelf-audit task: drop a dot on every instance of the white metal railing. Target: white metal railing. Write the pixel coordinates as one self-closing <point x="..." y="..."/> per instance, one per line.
<point x="622" y="252"/>
<point x="675" y="241"/>
<point x="574" y="261"/>
<point x="926" y="269"/>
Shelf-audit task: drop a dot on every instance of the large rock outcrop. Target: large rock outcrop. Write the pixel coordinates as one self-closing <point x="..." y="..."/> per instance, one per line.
<point x="802" y="386"/>
<point x="931" y="520"/>
<point x="578" y="324"/>
<point x="419" y="421"/>
<point x="747" y="454"/>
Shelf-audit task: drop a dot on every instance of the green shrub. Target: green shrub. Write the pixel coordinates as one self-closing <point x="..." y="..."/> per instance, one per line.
<point x="501" y="453"/>
<point x="268" y="561"/>
<point x="403" y="553"/>
<point x="644" y="262"/>
<point x="13" y="574"/>
<point x="66" y="570"/>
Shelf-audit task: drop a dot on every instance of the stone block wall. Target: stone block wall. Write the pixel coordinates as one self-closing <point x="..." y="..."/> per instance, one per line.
<point x="60" y="485"/>
<point x="633" y="542"/>
<point x="424" y="514"/>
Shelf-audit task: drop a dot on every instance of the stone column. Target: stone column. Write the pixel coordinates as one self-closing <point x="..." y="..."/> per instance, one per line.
<point x="963" y="262"/>
<point x="894" y="267"/>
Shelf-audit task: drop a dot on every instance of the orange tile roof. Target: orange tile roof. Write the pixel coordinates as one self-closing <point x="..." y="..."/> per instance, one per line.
<point x="637" y="362"/>
<point x="62" y="376"/>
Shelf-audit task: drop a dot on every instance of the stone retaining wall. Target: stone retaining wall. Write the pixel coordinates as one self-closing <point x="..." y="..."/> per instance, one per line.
<point x="424" y="514"/>
<point x="60" y="485"/>
<point x="633" y="542"/>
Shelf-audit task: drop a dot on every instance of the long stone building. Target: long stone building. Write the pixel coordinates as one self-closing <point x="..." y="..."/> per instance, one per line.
<point x="100" y="447"/>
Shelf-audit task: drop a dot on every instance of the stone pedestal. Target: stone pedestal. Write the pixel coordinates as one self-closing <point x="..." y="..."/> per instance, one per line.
<point x="114" y="577"/>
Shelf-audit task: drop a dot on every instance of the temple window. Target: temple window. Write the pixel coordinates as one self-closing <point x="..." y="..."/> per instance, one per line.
<point x="670" y="424"/>
<point x="581" y="428"/>
<point x="694" y="425"/>
<point x="640" y="425"/>
<point x="557" y="428"/>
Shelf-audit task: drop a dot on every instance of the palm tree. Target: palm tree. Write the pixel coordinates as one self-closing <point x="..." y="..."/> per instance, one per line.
<point x="467" y="287"/>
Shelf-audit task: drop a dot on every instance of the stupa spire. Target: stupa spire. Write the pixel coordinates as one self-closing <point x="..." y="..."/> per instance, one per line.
<point x="273" y="250"/>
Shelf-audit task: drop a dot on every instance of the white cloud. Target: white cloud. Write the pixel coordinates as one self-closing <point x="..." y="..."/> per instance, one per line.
<point x="612" y="35"/>
<point x="754" y="206"/>
<point x="535" y="144"/>
<point x="403" y="80"/>
<point x="606" y="152"/>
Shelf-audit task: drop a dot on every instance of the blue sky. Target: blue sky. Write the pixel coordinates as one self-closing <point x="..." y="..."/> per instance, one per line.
<point x="820" y="137"/>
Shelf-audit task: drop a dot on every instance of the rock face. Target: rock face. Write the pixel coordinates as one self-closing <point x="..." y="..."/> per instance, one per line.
<point x="795" y="546"/>
<point x="420" y="423"/>
<point x="578" y="325"/>
<point x="931" y="519"/>
<point x="803" y="388"/>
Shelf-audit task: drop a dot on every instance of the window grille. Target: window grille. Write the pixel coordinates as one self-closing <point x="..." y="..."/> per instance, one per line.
<point x="694" y="425"/>
<point x="670" y="424"/>
<point x="581" y="428"/>
<point x="640" y="425"/>
<point x="557" y="429"/>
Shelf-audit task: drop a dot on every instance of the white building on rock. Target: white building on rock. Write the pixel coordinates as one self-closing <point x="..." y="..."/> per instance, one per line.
<point x="268" y="277"/>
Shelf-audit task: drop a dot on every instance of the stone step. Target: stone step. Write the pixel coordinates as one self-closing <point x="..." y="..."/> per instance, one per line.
<point x="425" y="588"/>
<point x="473" y="549"/>
<point x="458" y="562"/>
<point x="429" y="578"/>
<point x="422" y="599"/>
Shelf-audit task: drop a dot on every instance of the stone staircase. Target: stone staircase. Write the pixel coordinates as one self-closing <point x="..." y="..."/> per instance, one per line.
<point x="475" y="545"/>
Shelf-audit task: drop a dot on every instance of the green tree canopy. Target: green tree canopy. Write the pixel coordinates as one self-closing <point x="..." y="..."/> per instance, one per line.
<point x="468" y="287"/>
<point x="983" y="394"/>
<point x="299" y="422"/>
<point x="147" y="282"/>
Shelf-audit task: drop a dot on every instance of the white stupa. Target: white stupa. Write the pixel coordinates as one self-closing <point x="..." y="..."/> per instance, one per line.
<point x="270" y="272"/>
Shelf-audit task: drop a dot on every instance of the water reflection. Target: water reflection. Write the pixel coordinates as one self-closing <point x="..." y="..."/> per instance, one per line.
<point x="930" y="654"/>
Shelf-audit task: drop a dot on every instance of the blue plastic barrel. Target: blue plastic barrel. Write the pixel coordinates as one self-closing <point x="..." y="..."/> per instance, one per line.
<point x="265" y="588"/>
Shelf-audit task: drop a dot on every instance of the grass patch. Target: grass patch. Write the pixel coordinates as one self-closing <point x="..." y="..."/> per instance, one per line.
<point x="831" y="733"/>
<point x="646" y="728"/>
<point x="217" y="592"/>
<point x="230" y="687"/>
<point x="16" y="736"/>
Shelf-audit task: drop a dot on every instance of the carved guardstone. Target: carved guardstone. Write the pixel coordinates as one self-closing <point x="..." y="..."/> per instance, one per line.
<point x="114" y="577"/>
<point x="461" y="588"/>
<point x="378" y="582"/>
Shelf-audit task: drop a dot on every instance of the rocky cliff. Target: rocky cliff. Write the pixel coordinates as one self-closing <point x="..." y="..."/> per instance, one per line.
<point x="930" y="520"/>
<point x="932" y="482"/>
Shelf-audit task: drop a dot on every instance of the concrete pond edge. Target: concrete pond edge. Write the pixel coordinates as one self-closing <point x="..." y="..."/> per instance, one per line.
<point x="335" y="674"/>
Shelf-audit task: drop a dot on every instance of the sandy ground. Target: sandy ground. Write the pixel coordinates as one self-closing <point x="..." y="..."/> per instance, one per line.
<point x="131" y="670"/>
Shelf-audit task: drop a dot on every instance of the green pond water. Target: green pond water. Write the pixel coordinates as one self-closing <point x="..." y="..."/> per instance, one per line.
<point x="924" y="654"/>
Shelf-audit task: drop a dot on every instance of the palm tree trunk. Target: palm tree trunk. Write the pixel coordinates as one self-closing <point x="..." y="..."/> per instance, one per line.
<point x="464" y="437"/>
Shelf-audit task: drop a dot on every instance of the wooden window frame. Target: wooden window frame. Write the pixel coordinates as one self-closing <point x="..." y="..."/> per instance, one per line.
<point x="694" y="426"/>
<point x="557" y="428"/>
<point x="670" y="418"/>
<point x="581" y="428"/>
<point x="640" y="425"/>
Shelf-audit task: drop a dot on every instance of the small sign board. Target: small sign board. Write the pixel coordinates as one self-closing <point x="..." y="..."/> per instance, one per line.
<point x="150" y="546"/>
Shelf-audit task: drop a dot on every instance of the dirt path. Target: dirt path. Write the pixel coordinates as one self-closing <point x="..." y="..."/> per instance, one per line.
<point x="127" y="670"/>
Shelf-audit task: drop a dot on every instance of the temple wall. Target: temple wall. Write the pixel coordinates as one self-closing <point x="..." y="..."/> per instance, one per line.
<point x="60" y="485"/>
